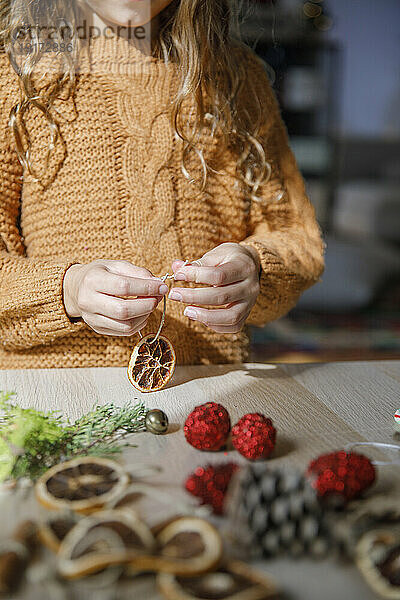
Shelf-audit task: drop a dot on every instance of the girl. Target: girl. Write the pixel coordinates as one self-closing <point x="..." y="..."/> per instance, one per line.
<point x="152" y="140"/>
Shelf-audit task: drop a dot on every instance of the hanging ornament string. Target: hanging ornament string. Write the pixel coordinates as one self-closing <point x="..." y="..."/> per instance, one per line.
<point x="153" y="359"/>
<point x="379" y="463"/>
<point x="164" y="279"/>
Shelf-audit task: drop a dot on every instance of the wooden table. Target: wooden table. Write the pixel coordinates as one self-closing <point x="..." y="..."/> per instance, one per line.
<point x="315" y="407"/>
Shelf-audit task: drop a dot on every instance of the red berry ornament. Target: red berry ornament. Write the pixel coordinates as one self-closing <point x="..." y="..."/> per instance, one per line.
<point x="208" y="426"/>
<point x="341" y="474"/>
<point x="254" y="436"/>
<point x="210" y="484"/>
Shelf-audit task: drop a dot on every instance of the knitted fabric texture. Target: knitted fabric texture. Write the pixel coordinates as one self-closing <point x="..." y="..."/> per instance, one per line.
<point x="114" y="189"/>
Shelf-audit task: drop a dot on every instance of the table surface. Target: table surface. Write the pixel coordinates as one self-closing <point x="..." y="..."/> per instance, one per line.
<point x="316" y="407"/>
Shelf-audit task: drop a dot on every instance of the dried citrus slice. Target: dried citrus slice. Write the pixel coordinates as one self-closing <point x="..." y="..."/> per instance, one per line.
<point x="152" y="363"/>
<point x="231" y="581"/>
<point x="54" y="529"/>
<point x="82" y="484"/>
<point x="186" y="546"/>
<point x="110" y="537"/>
<point x="378" y="559"/>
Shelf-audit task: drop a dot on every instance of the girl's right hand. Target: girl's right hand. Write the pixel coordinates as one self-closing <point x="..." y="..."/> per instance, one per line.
<point x="96" y="293"/>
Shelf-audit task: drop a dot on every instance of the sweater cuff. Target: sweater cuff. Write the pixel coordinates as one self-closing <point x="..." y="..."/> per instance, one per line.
<point x="279" y="291"/>
<point x="32" y="309"/>
<point x="53" y="321"/>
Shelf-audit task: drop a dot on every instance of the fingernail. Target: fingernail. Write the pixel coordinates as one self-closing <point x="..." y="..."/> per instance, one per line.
<point x="179" y="276"/>
<point x="175" y="296"/>
<point x="189" y="312"/>
<point x="163" y="289"/>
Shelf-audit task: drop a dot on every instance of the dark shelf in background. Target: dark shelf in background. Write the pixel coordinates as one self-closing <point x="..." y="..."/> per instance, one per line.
<point x="305" y="76"/>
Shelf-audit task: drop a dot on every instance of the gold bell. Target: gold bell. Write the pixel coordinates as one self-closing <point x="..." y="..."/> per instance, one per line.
<point x="156" y="421"/>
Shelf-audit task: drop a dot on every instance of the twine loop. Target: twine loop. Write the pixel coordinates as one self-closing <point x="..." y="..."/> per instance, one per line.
<point x="164" y="279"/>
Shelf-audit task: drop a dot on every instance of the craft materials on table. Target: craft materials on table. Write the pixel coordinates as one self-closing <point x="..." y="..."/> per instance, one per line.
<point x="32" y="441"/>
<point x="98" y="534"/>
<point x="93" y="528"/>
<point x="208" y="427"/>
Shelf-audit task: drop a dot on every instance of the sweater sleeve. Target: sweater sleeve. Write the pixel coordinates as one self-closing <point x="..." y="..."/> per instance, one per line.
<point x="282" y="225"/>
<point x="32" y="310"/>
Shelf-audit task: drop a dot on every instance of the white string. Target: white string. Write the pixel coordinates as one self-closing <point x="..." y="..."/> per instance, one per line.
<point x="163" y="279"/>
<point x="379" y="463"/>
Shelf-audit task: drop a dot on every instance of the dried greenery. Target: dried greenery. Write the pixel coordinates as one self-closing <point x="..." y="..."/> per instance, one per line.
<point x="31" y="441"/>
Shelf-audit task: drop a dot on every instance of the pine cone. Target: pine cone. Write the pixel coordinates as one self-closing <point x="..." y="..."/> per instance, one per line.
<point x="280" y="512"/>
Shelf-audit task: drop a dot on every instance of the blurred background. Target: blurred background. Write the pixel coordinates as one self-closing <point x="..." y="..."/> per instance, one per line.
<point x="335" y="67"/>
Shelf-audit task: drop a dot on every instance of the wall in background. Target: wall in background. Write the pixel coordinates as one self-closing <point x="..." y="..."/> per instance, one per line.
<point x="369" y="32"/>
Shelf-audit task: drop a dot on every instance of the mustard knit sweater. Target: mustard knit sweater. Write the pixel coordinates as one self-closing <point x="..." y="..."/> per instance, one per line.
<point x="114" y="189"/>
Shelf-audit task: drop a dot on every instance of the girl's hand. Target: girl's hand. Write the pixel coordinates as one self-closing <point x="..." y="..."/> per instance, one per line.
<point x="233" y="272"/>
<point x="96" y="293"/>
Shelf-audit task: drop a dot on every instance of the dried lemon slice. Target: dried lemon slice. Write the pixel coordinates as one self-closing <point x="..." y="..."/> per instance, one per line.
<point x="152" y="363"/>
<point x="82" y="484"/>
<point x="110" y="537"/>
<point x="231" y="581"/>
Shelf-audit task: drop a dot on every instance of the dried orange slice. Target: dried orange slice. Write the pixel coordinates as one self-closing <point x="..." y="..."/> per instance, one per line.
<point x="187" y="546"/>
<point x="231" y="581"/>
<point x="152" y="363"/>
<point x="82" y="484"/>
<point x="108" y="538"/>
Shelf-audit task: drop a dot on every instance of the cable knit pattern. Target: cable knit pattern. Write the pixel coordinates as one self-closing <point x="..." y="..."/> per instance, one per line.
<point x="147" y="155"/>
<point x="114" y="189"/>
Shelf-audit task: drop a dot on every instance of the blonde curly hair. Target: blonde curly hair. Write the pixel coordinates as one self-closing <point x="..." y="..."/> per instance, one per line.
<point x="199" y="35"/>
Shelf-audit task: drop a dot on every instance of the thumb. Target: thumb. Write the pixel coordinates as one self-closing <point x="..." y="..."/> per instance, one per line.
<point x="212" y="258"/>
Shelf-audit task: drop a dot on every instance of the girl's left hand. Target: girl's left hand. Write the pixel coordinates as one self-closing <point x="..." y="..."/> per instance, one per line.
<point x="232" y="271"/>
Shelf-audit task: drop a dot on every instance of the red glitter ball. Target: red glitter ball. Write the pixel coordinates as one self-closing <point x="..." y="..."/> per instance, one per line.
<point x="342" y="474"/>
<point x="208" y="426"/>
<point x="210" y="484"/>
<point x="254" y="436"/>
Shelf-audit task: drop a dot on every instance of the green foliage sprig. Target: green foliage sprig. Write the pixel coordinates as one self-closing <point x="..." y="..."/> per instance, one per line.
<point x="31" y="441"/>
